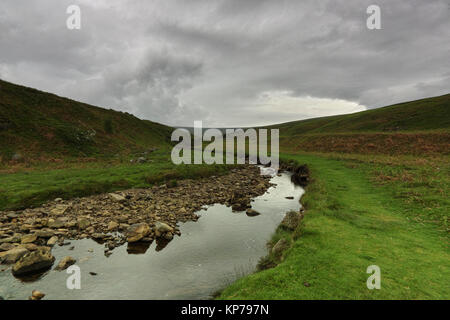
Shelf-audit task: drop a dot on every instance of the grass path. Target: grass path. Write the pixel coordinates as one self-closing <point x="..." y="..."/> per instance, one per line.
<point x="351" y="224"/>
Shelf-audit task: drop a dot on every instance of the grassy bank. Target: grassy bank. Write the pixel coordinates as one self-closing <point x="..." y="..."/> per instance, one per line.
<point x="34" y="187"/>
<point x="363" y="211"/>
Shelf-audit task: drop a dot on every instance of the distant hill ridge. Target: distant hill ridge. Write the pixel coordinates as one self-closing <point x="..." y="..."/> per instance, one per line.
<point x="417" y="127"/>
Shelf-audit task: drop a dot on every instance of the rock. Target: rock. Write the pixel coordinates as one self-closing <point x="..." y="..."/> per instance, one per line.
<point x="65" y="263"/>
<point x="12" y="215"/>
<point x="44" y="233"/>
<point x="29" y="246"/>
<point x="93" y="273"/>
<point x="13" y="255"/>
<point x="33" y="262"/>
<point x="58" y="200"/>
<point x="37" y="295"/>
<point x="52" y="241"/>
<point x="56" y="224"/>
<point x="83" y="223"/>
<point x="117" y="197"/>
<point x="141" y="160"/>
<point x="16" y="157"/>
<point x="306" y="284"/>
<point x="112" y="226"/>
<point x="168" y="236"/>
<point x="29" y="238"/>
<point x="163" y="227"/>
<point x="291" y="220"/>
<point x="280" y="246"/>
<point x="252" y="213"/>
<point x="59" y="210"/>
<point x="289" y="198"/>
<point x="137" y="231"/>
<point x="6" y="246"/>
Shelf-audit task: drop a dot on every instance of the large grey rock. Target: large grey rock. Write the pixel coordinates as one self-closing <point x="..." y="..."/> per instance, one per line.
<point x="33" y="262"/>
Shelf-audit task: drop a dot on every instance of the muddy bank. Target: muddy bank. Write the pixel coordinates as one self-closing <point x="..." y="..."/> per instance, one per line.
<point x="135" y="215"/>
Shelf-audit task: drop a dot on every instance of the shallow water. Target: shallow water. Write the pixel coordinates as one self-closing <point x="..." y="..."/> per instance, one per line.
<point x="210" y="253"/>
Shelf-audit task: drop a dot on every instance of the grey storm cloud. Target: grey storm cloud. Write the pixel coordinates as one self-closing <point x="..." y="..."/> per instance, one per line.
<point x="229" y="62"/>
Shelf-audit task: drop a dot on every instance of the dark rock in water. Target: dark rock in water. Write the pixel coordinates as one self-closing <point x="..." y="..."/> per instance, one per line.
<point x="291" y="220"/>
<point x="161" y="243"/>
<point x="252" y="213"/>
<point x="93" y="273"/>
<point x="33" y="262"/>
<point x="290" y="198"/>
<point x="138" y="247"/>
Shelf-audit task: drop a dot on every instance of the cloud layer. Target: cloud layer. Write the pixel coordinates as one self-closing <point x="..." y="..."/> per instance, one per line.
<point x="229" y="62"/>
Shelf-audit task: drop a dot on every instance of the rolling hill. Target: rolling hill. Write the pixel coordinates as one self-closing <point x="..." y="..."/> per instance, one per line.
<point x="416" y="127"/>
<point x="39" y="124"/>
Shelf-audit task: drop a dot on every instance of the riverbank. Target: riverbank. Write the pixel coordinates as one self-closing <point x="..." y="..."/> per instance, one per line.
<point x="133" y="215"/>
<point x="361" y="212"/>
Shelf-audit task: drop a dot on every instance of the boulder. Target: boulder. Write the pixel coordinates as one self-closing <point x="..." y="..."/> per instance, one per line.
<point x="291" y="220"/>
<point x="33" y="262"/>
<point x="137" y="231"/>
<point x="13" y="255"/>
<point x="65" y="263"/>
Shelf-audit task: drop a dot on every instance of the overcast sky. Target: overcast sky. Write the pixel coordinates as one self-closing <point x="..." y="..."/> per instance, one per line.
<point x="229" y="62"/>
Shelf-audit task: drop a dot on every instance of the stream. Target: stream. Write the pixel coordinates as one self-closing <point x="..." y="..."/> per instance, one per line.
<point x="210" y="254"/>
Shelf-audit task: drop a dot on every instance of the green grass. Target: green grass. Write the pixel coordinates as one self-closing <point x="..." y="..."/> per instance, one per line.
<point x="351" y="222"/>
<point x="24" y="189"/>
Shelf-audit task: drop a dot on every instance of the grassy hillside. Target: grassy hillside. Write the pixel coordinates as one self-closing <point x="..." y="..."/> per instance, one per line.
<point x="425" y="114"/>
<point x="361" y="212"/>
<point x="37" y="124"/>
<point x="418" y="127"/>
